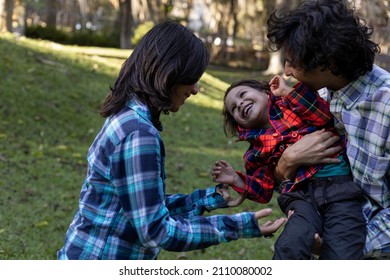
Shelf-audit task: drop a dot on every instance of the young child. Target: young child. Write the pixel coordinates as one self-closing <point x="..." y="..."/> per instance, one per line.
<point x="323" y="197"/>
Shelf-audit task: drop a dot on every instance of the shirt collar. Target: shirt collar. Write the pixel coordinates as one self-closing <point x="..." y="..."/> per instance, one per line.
<point x="351" y="93"/>
<point x="141" y="110"/>
<point x="249" y="134"/>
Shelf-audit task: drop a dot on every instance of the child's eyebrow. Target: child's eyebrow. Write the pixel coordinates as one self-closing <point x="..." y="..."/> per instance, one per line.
<point x="243" y="90"/>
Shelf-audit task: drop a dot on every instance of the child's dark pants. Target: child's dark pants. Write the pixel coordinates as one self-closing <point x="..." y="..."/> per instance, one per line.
<point x="331" y="207"/>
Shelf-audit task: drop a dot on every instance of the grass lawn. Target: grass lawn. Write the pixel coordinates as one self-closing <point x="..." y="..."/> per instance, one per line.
<point x="50" y="95"/>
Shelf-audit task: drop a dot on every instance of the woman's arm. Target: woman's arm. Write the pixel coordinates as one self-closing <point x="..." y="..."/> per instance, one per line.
<point x="141" y="192"/>
<point x="196" y="203"/>
<point x="313" y="148"/>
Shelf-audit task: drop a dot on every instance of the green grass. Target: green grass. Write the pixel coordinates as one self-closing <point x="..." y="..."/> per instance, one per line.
<point x="49" y="116"/>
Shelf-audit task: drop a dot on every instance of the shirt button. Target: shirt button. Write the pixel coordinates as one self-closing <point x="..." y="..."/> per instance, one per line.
<point x="294" y="134"/>
<point x="275" y="135"/>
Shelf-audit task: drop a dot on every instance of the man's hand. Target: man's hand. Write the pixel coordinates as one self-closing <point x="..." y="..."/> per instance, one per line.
<point x="314" y="148"/>
<point x="317" y="245"/>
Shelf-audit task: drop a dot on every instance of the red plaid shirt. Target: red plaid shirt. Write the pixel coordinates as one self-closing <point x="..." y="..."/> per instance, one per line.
<point x="301" y="112"/>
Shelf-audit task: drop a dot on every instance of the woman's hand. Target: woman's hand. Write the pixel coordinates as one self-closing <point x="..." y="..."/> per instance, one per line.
<point x="231" y="201"/>
<point x="269" y="227"/>
<point x="224" y="173"/>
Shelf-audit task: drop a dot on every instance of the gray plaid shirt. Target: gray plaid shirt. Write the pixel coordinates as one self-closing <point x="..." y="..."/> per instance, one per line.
<point x="362" y="110"/>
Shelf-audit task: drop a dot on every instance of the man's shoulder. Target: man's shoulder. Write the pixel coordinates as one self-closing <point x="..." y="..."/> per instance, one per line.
<point x="380" y="77"/>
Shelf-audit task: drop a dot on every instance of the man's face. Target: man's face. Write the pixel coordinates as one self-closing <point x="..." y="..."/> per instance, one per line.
<point x="315" y="79"/>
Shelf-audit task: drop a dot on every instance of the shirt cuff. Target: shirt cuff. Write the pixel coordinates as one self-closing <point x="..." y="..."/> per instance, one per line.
<point x="213" y="200"/>
<point x="249" y="225"/>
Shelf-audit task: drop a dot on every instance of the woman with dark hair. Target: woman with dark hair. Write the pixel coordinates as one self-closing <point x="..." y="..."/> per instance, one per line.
<point x="327" y="46"/>
<point x="124" y="211"/>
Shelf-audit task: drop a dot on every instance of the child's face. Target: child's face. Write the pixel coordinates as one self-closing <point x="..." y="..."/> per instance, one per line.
<point x="248" y="106"/>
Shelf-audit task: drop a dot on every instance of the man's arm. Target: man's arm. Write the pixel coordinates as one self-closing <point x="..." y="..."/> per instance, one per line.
<point x="313" y="148"/>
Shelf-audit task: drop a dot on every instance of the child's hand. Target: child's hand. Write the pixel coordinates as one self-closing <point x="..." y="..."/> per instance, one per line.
<point x="279" y="87"/>
<point x="224" y="173"/>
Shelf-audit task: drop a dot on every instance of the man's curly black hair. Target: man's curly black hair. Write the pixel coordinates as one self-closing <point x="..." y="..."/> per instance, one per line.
<point x="323" y="34"/>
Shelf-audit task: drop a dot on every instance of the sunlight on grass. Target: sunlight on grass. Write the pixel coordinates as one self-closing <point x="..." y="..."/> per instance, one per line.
<point x="207" y="78"/>
<point x="211" y="92"/>
<point x="206" y="101"/>
<point x="212" y="152"/>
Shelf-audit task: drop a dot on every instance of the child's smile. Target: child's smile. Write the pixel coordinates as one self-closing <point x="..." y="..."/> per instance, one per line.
<point x="248" y="107"/>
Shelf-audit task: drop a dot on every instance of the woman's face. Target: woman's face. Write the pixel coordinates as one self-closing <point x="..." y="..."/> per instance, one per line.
<point x="180" y="93"/>
<point x="248" y="106"/>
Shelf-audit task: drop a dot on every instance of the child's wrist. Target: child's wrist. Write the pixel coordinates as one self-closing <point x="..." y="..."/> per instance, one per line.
<point x="237" y="181"/>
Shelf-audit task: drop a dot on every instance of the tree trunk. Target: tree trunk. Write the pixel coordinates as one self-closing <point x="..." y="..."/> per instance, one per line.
<point x="275" y="65"/>
<point x="83" y="4"/>
<point x="233" y="13"/>
<point x="154" y="10"/>
<point x="126" y="21"/>
<point x="9" y="9"/>
<point x="2" y="15"/>
<point x="51" y="17"/>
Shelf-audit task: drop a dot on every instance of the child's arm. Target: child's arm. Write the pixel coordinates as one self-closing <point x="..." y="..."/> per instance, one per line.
<point x="279" y="87"/>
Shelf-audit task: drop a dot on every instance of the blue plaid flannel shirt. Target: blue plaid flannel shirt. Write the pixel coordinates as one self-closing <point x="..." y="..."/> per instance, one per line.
<point x="124" y="211"/>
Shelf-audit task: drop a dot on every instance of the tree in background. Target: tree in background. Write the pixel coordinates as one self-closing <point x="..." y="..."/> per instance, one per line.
<point x="6" y="12"/>
<point x="126" y="23"/>
<point x="234" y="30"/>
<point x="3" y="15"/>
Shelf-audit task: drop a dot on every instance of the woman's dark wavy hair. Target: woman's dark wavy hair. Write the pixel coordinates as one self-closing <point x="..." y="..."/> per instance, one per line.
<point x="229" y="123"/>
<point x="325" y="34"/>
<point x="169" y="54"/>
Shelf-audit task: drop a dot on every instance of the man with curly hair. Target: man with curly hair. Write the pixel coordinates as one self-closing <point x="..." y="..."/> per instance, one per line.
<point x="326" y="45"/>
